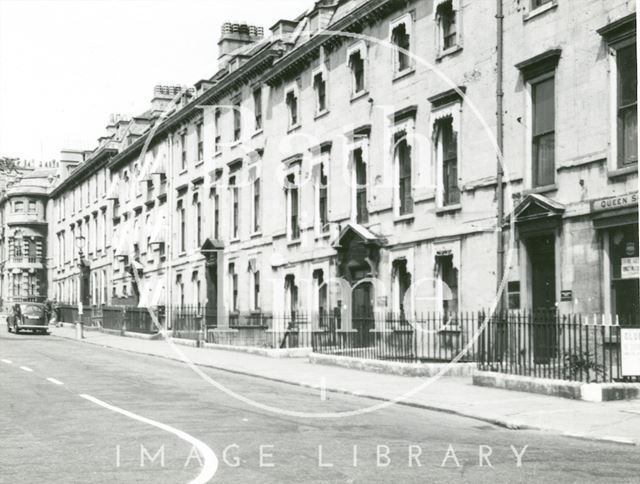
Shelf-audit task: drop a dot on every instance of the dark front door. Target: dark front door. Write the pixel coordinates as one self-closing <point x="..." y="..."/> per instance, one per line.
<point x="212" y="295"/>
<point x="543" y="296"/>
<point x="362" y="313"/>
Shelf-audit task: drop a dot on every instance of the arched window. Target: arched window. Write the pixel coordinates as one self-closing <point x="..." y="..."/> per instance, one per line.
<point x="402" y="41"/>
<point x="403" y="160"/>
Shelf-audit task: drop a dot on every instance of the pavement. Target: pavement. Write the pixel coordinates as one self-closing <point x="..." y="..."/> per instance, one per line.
<point x="616" y="421"/>
<point x="77" y="412"/>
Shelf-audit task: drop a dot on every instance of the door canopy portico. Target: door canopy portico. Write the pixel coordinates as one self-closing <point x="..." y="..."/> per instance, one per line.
<point x="536" y="213"/>
<point x="358" y="252"/>
<point x="209" y="249"/>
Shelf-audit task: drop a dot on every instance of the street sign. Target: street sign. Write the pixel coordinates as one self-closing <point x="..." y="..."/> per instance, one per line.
<point x="80" y="308"/>
<point x="610" y="203"/>
<point x="566" y="295"/>
<point x="630" y="351"/>
<point x="629" y="268"/>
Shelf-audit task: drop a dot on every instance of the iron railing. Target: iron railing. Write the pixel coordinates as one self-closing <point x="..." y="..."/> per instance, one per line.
<point x="394" y="337"/>
<point x="120" y="318"/>
<point x="574" y="347"/>
<point x="192" y="322"/>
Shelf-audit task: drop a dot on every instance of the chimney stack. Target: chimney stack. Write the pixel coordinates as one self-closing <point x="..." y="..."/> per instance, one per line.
<point x="233" y="37"/>
<point x="162" y="96"/>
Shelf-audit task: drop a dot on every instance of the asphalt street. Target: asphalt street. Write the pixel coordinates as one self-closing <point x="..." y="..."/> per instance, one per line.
<point x="72" y="412"/>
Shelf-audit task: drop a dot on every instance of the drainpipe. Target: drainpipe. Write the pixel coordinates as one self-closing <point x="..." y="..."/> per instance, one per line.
<point x="168" y="231"/>
<point x="500" y="142"/>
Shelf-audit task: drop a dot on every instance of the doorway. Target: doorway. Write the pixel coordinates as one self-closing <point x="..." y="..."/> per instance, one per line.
<point x="541" y="250"/>
<point x="625" y="287"/>
<point x="362" y="319"/>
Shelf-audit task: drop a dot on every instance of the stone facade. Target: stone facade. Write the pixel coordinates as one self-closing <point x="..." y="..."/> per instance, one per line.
<point x="315" y="159"/>
<point x="23" y="241"/>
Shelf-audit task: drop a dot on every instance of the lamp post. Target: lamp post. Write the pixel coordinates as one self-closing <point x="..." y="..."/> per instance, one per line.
<point x="79" y="245"/>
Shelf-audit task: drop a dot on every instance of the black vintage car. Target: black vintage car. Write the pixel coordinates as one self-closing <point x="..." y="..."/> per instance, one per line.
<point x="29" y="317"/>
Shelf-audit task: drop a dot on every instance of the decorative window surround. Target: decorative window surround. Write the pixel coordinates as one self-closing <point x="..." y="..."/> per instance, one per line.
<point x="443" y="249"/>
<point x="456" y="45"/>
<point x="321" y="162"/>
<point x="446" y="105"/>
<point x="322" y="71"/>
<point x="293" y="170"/>
<point x="534" y="12"/>
<point x="407" y="255"/>
<point x="403" y="130"/>
<point x="361" y="48"/>
<point x="405" y="20"/>
<point x="619" y="34"/>
<point x="536" y="70"/>
<point x="293" y="116"/>
<point x="359" y="143"/>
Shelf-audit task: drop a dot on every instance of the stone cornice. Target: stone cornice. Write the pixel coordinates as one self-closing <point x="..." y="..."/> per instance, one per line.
<point x="353" y="22"/>
<point x="259" y="62"/>
<point x="619" y="30"/>
<point x="84" y="169"/>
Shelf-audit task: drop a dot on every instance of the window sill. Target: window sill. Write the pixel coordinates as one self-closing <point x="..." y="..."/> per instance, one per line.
<point x="199" y="163"/>
<point x="447" y="52"/>
<point x="234" y="240"/>
<point x="543" y="189"/>
<point x="448" y="209"/>
<point x="321" y="114"/>
<point x="293" y="128"/>
<point x="257" y="133"/>
<point x="359" y="95"/>
<point x="182" y="172"/>
<point x="255" y="235"/>
<point x="293" y="243"/>
<point x="620" y="172"/>
<point x="323" y="236"/>
<point x="399" y="75"/>
<point x="540" y="10"/>
<point x="217" y="153"/>
<point x="235" y="143"/>
<point x="409" y="217"/>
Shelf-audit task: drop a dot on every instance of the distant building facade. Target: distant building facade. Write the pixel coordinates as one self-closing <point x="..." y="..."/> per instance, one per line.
<point x="24" y="235"/>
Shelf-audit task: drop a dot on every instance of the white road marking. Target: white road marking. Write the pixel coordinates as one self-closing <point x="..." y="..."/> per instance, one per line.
<point x="53" y="380"/>
<point x="210" y="465"/>
<point x="25" y="368"/>
<point x="8" y="362"/>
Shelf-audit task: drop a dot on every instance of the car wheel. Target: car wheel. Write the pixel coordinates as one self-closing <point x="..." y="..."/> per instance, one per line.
<point x="9" y="328"/>
<point x="16" y="330"/>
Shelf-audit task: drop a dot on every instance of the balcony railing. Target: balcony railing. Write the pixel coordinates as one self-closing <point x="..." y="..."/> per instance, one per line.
<point x="21" y="259"/>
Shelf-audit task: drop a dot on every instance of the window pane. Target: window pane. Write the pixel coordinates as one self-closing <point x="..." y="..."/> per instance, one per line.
<point x="404" y="159"/>
<point x="449" y="140"/>
<point x="539" y="3"/>
<point x="401" y="39"/>
<point x="357" y="68"/>
<point x="543" y="107"/>
<point x="628" y="136"/>
<point x="627" y="76"/>
<point x="543" y="160"/>
<point x="627" y="106"/>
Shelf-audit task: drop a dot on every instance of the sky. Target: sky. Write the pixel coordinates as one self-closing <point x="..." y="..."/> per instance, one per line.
<point x="66" y="65"/>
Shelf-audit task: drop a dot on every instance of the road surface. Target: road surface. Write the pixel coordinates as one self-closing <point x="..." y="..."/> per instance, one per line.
<point x="74" y="412"/>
